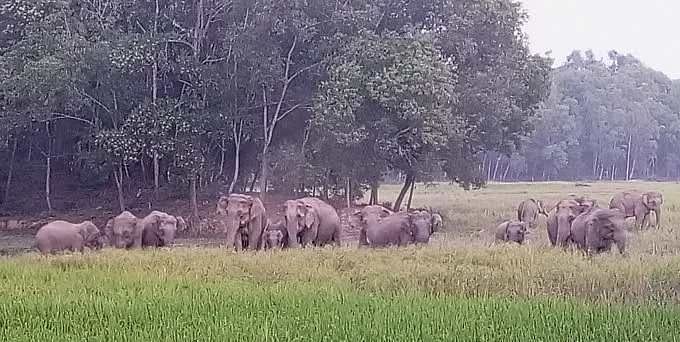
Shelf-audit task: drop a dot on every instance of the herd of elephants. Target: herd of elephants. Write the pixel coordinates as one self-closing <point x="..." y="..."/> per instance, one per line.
<point x="574" y="220"/>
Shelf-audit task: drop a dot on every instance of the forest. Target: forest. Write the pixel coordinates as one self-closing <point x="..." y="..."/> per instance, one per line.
<point x="124" y="100"/>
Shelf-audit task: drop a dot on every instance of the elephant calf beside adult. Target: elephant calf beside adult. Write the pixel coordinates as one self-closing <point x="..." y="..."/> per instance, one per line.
<point x="312" y="222"/>
<point x="244" y="219"/>
<point x="638" y="204"/>
<point x="401" y="228"/>
<point x="275" y="235"/>
<point x="60" y="235"/>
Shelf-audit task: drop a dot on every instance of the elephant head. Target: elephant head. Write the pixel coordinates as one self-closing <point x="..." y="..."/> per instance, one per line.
<point x="605" y="227"/>
<point x="424" y="225"/>
<point x="92" y="237"/>
<point x="514" y="231"/>
<point x="121" y="231"/>
<point x="299" y="217"/>
<point x="653" y="200"/>
<point x="272" y="239"/>
<point x="163" y="225"/>
<point x="368" y="214"/>
<point x="566" y="211"/>
<point x="238" y="211"/>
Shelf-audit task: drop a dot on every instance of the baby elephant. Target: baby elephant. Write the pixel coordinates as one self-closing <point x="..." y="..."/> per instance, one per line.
<point x="511" y="231"/>
<point x="59" y="235"/>
<point x="275" y="236"/>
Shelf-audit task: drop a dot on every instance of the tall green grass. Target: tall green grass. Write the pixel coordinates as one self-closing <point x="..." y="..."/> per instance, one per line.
<point x="166" y="296"/>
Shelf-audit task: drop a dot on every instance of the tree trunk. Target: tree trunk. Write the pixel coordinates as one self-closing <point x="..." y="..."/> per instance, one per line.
<point x="410" y="178"/>
<point x="348" y="192"/>
<point x="118" y="175"/>
<point x="223" y="151"/>
<point x="374" y="194"/>
<point x="156" y="175"/>
<point x="237" y="134"/>
<point x="410" y="196"/>
<point x="192" y="196"/>
<point x="48" y="171"/>
<point x="505" y="174"/>
<point x="632" y="169"/>
<point x="145" y="177"/>
<point x="495" y="169"/>
<point x="255" y="178"/>
<point x="630" y="140"/>
<point x="10" y="172"/>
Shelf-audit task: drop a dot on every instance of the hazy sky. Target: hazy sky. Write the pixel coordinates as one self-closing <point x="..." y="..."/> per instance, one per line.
<point x="646" y="29"/>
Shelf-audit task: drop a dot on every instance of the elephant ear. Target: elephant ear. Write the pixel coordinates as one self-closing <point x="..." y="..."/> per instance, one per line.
<point x="645" y="199"/>
<point x="436" y="223"/>
<point x="385" y="212"/>
<point x="310" y="215"/>
<point x="181" y="224"/>
<point x="506" y="234"/>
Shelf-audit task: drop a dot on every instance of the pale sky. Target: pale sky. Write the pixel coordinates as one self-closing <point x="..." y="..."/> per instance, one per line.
<point x="646" y="29"/>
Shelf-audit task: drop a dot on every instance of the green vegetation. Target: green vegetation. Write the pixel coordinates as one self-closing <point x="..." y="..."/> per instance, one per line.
<point x="210" y="295"/>
<point x="460" y="287"/>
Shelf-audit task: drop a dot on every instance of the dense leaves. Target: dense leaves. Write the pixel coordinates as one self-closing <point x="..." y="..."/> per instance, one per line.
<point x="304" y="96"/>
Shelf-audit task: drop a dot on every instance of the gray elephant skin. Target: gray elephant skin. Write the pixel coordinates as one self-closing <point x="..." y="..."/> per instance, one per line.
<point x="400" y="229"/>
<point x="596" y="230"/>
<point x="123" y="231"/>
<point x="638" y="204"/>
<point x="560" y="218"/>
<point x="312" y="221"/>
<point x="244" y="219"/>
<point x="528" y="211"/>
<point x="60" y="235"/>
<point x="159" y="229"/>
<point x="275" y="237"/>
<point x="511" y="231"/>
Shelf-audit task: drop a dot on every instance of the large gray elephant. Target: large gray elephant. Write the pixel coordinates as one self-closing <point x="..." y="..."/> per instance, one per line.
<point x="312" y="221"/>
<point x="275" y="236"/>
<point x="528" y="211"/>
<point x="400" y="229"/>
<point x="123" y="231"/>
<point x="511" y="231"/>
<point x="244" y="219"/>
<point x="560" y="218"/>
<point x="595" y="230"/>
<point x="60" y="235"/>
<point x="365" y="216"/>
<point x="159" y="229"/>
<point x="638" y="204"/>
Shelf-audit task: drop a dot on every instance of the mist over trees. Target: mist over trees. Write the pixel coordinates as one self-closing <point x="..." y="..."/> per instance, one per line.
<point x="178" y="99"/>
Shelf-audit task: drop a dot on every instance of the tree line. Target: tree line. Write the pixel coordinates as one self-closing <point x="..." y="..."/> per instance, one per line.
<point x="328" y="98"/>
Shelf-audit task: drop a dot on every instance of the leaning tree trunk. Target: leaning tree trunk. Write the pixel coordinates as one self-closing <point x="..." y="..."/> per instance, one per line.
<point x="410" y="178"/>
<point x="410" y="196"/>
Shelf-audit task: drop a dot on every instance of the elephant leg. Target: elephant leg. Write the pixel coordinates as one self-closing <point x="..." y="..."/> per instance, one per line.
<point x="307" y="237"/>
<point x="645" y="221"/>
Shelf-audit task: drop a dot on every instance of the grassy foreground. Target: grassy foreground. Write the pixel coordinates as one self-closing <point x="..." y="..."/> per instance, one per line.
<point x="341" y="295"/>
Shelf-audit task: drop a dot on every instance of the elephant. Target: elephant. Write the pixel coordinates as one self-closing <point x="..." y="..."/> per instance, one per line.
<point x="244" y="220"/>
<point x="528" y="211"/>
<point x="60" y="235"/>
<point x="367" y="215"/>
<point x="123" y="231"/>
<point x="595" y="230"/>
<point x="559" y="218"/>
<point x="638" y="204"/>
<point x="275" y="236"/>
<point x="401" y="228"/>
<point x="159" y="228"/>
<point x="311" y="220"/>
<point x="511" y="231"/>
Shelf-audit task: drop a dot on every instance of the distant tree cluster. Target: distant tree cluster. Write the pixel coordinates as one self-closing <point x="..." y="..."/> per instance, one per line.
<point x="320" y="97"/>
<point x="612" y="119"/>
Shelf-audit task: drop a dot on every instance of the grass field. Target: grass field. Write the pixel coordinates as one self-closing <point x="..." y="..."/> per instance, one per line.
<point x="457" y="289"/>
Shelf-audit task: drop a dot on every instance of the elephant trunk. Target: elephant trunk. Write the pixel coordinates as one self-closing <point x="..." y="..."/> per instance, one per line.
<point x="563" y="230"/>
<point x="292" y="228"/>
<point x="233" y="225"/>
